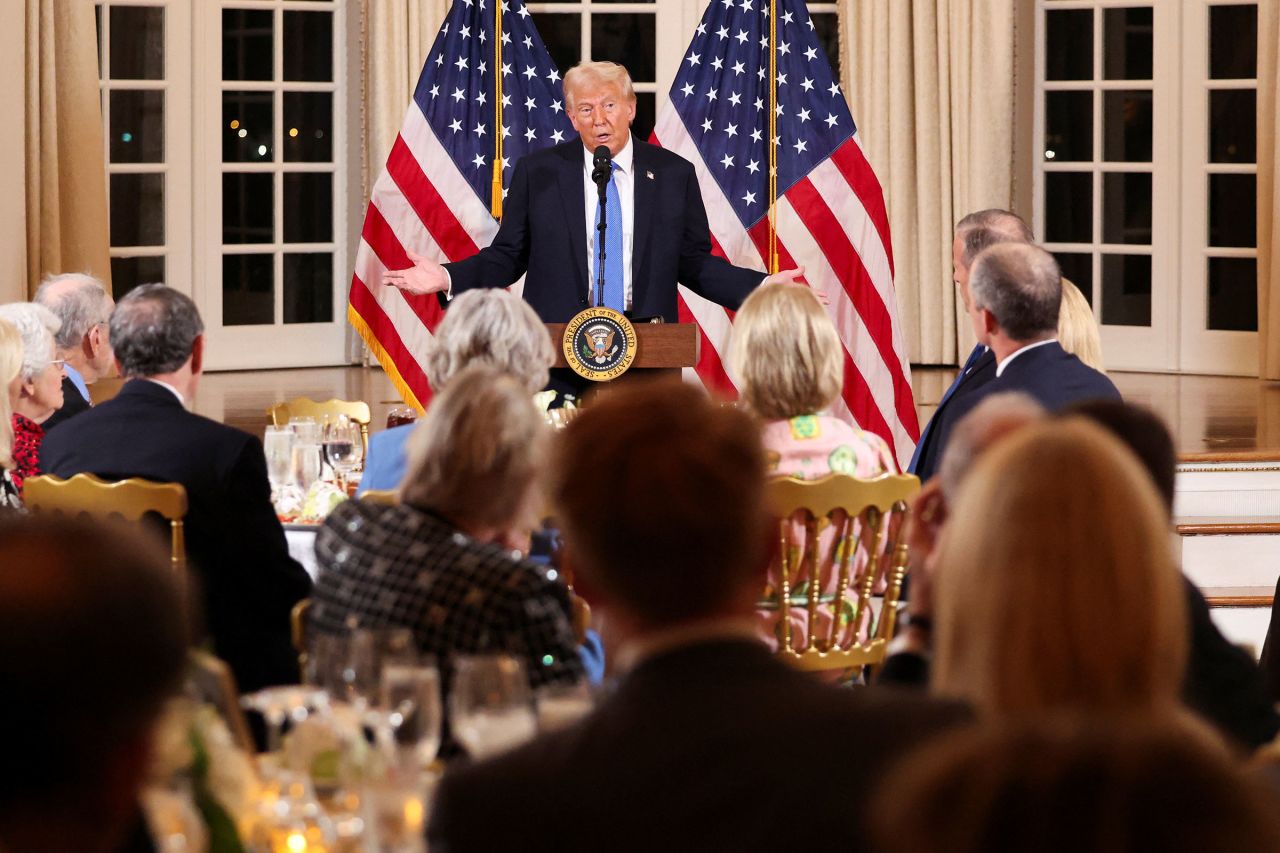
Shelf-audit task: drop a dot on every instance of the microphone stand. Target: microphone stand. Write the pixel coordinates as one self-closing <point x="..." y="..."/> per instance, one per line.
<point x="601" y="174"/>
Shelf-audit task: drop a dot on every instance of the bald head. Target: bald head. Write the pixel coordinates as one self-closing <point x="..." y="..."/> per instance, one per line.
<point x="1021" y="287"/>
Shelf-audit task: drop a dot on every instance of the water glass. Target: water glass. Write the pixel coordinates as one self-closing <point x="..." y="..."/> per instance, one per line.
<point x="305" y="465"/>
<point x="307" y="430"/>
<point x="411" y="704"/>
<point x="490" y="706"/>
<point x="277" y="444"/>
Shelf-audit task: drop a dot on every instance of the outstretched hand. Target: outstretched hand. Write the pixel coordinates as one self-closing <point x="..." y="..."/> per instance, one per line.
<point x="425" y="276"/>
<point x="795" y="276"/>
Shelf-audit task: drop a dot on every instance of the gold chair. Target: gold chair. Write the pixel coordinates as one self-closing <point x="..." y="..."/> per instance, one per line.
<point x="298" y="633"/>
<point x="215" y="684"/>
<point x="381" y="497"/>
<point x="129" y="499"/>
<point x="304" y="407"/>
<point x="869" y="518"/>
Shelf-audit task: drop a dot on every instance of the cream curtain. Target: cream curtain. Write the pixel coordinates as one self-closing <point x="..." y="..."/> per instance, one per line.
<point x="1268" y="190"/>
<point x="397" y="36"/>
<point x="931" y="86"/>
<point x="66" y="183"/>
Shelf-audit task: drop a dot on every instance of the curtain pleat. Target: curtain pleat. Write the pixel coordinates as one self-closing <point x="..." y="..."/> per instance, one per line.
<point x="1268" y="191"/>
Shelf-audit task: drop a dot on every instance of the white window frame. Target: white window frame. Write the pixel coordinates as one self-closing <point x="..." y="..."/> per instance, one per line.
<point x="279" y="344"/>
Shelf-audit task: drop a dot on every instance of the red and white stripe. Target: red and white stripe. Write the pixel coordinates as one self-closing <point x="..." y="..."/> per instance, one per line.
<point x="833" y="222"/>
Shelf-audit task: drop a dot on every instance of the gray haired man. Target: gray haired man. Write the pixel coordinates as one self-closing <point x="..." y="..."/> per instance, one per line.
<point x="84" y="306"/>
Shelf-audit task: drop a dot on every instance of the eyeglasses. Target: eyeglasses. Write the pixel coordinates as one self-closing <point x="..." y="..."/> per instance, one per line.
<point x="59" y="363"/>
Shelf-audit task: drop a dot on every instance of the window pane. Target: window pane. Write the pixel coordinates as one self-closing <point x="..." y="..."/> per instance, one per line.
<point x="248" y="211"/>
<point x="308" y="288"/>
<point x="1069" y="44"/>
<point x="246" y="127"/>
<point x="128" y="273"/>
<point x="826" y="26"/>
<point x="645" y="115"/>
<point x="1126" y="290"/>
<point x="308" y="46"/>
<point x="247" y="44"/>
<point x="1078" y="268"/>
<point x="562" y="34"/>
<point x="248" y="298"/>
<point x="308" y="123"/>
<point x="137" y="127"/>
<point x="1126" y="208"/>
<point x="1233" y="42"/>
<point x="1233" y="126"/>
<point x="1233" y="294"/>
<point x="308" y="208"/>
<point x="1127" y="44"/>
<point x="1126" y="126"/>
<point x="627" y="39"/>
<point x="137" y="43"/>
<point x="1068" y="126"/>
<point x="1233" y="210"/>
<point x="1068" y="207"/>
<point x="137" y="210"/>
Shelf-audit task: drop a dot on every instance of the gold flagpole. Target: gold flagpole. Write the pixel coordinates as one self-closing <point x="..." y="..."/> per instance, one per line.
<point x="773" y="136"/>
<point x="495" y="203"/>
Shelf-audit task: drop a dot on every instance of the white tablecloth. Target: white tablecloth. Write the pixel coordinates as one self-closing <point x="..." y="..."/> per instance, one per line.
<point x="302" y="546"/>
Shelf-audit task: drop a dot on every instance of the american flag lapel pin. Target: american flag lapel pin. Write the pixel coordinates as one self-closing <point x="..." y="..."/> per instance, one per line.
<point x="648" y="175"/>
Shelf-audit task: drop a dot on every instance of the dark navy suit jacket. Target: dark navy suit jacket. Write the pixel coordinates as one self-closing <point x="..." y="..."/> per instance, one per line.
<point x="234" y="540"/>
<point x="983" y="371"/>
<point x="543" y="237"/>
<point x="1053" y="377"/>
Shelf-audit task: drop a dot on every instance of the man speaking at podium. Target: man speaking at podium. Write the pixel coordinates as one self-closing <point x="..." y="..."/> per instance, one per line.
<point x="656" y="234"/>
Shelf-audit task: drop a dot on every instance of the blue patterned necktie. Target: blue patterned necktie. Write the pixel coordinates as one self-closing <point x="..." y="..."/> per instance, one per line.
<point x="613" y="294"/>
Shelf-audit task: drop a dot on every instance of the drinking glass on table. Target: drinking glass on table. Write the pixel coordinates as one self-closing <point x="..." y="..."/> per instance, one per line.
<point x="277" y="444"/>
<point x="411" y="703"/>
<point x="343" y="446"/>
<point x="305" y="465"/>
<point x="490" y="705"/>
<point x="307" y="430"/>
<point x="401" y="415"/>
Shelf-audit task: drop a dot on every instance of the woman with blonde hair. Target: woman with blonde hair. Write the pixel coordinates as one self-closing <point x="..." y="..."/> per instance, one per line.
<point x="11" y="385"/>
<point x="39" y="392"/>
<point x="1056" y="585"/>
<point x="789" y="362"/>
<point x="1078" y="329"/>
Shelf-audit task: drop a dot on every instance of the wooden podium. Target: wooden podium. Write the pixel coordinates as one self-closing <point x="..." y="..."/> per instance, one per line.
<point x="660" y="347"/>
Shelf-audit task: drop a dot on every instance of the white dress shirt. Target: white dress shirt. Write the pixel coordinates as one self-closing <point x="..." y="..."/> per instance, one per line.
<point x="1002" y="365"/>
<point x="624" y="177"/>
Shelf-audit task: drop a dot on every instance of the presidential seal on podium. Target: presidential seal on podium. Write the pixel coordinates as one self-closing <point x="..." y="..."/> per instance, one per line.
<point x="599" y="344"/>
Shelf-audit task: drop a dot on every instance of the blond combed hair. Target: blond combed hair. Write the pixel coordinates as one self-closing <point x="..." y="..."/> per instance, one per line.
<point x="785" y="353"/>
<point x="478" y="456"/>
<point x="11" y="353"/>
<point x="599" y="73"/>
<point x="1077" y="328"/>
<point x="1056" y="583"/>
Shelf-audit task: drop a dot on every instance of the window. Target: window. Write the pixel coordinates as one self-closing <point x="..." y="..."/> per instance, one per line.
<point x="1145" y="120"/>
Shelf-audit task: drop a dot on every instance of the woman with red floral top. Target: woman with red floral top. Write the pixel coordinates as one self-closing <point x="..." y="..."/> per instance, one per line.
<point x="38" y="385"/>
<point x="10" y="379"/>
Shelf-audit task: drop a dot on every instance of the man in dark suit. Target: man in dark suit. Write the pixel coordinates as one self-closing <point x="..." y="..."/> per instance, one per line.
<point x="708" y="742"/>
<point x="234" y="540"/>
<point x="84" y="306"/>
<point x="973" y="233"/>
<point x="1016" y="294"/>
<point x="657" y="232"/>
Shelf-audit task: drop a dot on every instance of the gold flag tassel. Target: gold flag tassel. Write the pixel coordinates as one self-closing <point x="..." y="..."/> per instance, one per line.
<point x="495" y="202"/>
<point x="773" y="136"/>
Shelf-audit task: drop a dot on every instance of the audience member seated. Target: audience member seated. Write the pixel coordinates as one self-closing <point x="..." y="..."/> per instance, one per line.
<point x="1223" y="683"/>
<point x="789" y="362"/>
<point x="1055" y="585"/>
<point x="11" y="381"/>
<point x="40" y="387"/>
<point x="973" y="234"/>
<point x="1078" y="328"/>
<point x="1017" y="297"/>
<point x="442" y="561"/>
<point x="83" y="305"/>
<point x="1069" y="785"/>
<point x="92" y="642"/>
<point x="234" y="540"/>
<point x="708" y="742"/>
<point x="492" y="327"/>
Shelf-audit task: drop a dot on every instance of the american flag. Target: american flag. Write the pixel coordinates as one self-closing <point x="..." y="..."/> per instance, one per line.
<point x="433" y="198"/>
<point x="830" y="214"/>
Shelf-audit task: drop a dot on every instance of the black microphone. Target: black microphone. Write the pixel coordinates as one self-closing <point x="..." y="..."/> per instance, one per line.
<point x="602" y="165"/>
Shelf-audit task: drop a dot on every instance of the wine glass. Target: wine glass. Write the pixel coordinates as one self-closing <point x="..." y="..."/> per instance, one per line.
<point x="490" y="706"/>
<point x="281" y="703"/>
<point x="343" y="446"/>
<point x="411" y="703"/>
<point x="277" y="444"/>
